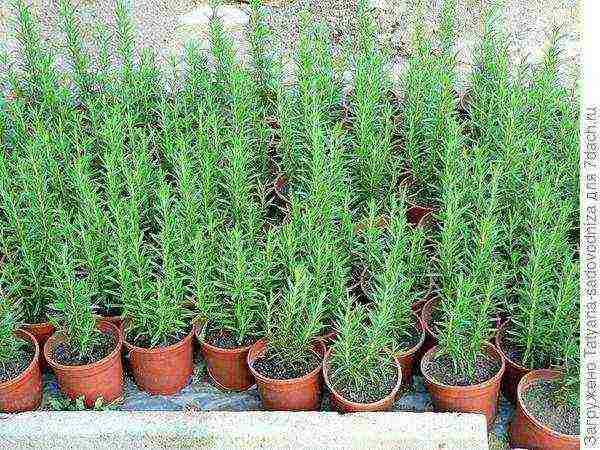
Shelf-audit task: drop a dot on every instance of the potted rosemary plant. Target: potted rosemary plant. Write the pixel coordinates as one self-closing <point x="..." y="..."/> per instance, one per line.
<point x="84" y="353"/>
<point x="360" y="370"/>
<point x="20" y="376"/>
<point x="287" y="362"/>
<point x="548" y="406"/>
<point x="30" y="198"/>
<point x="229" y="269"/>
<point x="156" y="326"/>
<point x="463" y="371"/>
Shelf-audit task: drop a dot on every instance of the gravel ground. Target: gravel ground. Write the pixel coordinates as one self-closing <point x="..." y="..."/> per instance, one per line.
<point x="164" y="25"/>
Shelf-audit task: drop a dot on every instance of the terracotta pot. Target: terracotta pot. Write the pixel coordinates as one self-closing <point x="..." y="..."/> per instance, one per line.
<point x="328" y="338"/>
<point x="480" y="398"/>
<point x="227" y="368"/>
<point x="41" y="332"/>
<point x="348" y="406"/>
<point x="23" y="393"/>
<point x="115" y="320"/>
<point x="419" y="215"/>
<point x="161" y="370"/>
<point x="514" y="372"/>
<point x="102" y="378"/>
<point x="430" y="337"/>
<point x="407" y="359"/>
<point x="525" y="431"/>
<point x="297" y="394"/>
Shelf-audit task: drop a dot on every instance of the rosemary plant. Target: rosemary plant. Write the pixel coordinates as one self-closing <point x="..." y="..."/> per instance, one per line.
<point x="471" y="271"/>
<point x="429" y="100"/>
<point x="72" y="310"/>
<point x="293" y="321"/>
<point x="377" y="168"/>
<point x="360" y="365"/>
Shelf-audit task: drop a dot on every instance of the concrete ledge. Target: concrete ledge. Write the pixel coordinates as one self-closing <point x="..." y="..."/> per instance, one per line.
<point x="247" y="430"/>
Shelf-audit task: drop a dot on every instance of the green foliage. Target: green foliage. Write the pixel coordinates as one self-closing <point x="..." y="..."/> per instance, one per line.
<point x="294" y="318"/>
<point x="66" y="404"/>
<point x="152" y="191"/>
<point x="71" y="310"/>
<point x="10" y="321"/>
<point x="429" y="100"/>
<point x="359" y="356"/>
<point x="372" y="114"/>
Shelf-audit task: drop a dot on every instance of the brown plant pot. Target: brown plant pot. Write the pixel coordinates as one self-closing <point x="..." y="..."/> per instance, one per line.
<point x="102" y="378"/>
<point x="407" y="359"/>
<point x="227" y="368"/>
<point x="23" y="393"/>
<point x="430" y="337"/>
<point x="41" y="332"/>
<point x="297" y="394"/>
<point x="162" y="370"/>
<point x="115" y="320"/>
<point x="514" y="372"/>
<point x="480" y="398"/>
<point x="348" y="406"/>
<point x="525" y="431"/>
<point x="419" y="215"/>
<point x="328" y="338"/>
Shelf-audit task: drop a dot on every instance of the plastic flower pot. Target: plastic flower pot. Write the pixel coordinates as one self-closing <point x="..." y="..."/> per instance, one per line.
<point x="348" y="406"/>
<point x="24" y="392"/>
<point x="115" y="320"/>
<point x="227" y="368"/>
<point x="419" y="215"/>
<point x="479" y="398"/>
<point x="514" y="372"/>
<point x="296" y="394"/>
<point x="525" y="431"/>
<point x="430" y="337"/>
<point x="101" y="379"/>
<point x="327" y="338"/>
<point x="161" y="370"/>
<point x="407" y="359"/>
<point x="41" y="332"/>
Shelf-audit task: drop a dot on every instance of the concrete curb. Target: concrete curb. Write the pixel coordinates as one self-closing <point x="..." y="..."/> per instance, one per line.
<point x="247" y="430"/>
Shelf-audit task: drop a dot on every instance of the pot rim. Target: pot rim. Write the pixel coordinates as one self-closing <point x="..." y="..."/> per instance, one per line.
<point x="472" y="387"/>
<point x="36" y="357"/>
<point x="199" y="331"/>
<point x="526" y="381"/>
<point x="417" y="346"/>
<point x="134" y="348"/>
<point x="58" y="366"/>
<point x="38" y="325"/>
<point x="499" y="339"/>
<point x="262" y="342"/>
<point x="350" y="403"/>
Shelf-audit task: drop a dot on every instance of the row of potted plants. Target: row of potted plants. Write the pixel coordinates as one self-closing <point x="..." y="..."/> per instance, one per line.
<point x="276" y="217"/>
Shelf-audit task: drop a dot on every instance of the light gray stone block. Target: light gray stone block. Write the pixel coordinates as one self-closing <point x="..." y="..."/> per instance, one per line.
<point x="248" y="430"/>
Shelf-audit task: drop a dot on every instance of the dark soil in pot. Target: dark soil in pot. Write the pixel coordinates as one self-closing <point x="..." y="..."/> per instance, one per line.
<point x="69" y="356"/>
<point x="18" y="365"/>
<point x="439" y="368"/>
<point x="515" y="354"/>
<point x="144" y="341"/>
<point x="225" y="339"/>
<point x="271" y="366"/>
<point x="540" y="399"/>
<point x="378" y="387"/>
